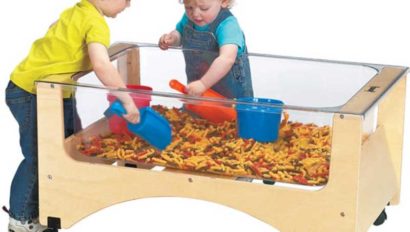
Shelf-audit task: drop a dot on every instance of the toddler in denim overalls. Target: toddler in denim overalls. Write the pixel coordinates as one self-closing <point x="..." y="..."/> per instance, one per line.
<point x="208" y="25"/>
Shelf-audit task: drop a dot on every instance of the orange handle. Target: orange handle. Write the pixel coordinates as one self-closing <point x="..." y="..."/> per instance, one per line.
<point x="212" y="93"/>
<point x="178" y="86"/>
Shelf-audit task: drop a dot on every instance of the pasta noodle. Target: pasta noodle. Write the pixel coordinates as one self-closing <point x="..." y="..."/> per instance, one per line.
<point x="300" y="155"/>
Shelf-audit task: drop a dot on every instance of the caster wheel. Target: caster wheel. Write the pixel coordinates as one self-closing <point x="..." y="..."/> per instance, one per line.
<point x="51" y="230"/>
<point x="381" y="218"/>
<point x="269" y="182"/>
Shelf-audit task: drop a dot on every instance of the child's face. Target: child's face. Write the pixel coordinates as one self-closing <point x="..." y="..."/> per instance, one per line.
<point x="203" y="12"/>
<point x="111" y="8"/>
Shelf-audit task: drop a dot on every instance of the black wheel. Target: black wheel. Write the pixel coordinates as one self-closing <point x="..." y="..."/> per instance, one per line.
<point x="381" y="218"/>
<point x="51" y="230"/>
<point x="269" y="182"/>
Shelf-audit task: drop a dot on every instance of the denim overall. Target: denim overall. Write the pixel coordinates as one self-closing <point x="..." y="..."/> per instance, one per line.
<point x="237" y="82"/>
<point x="24" y="187"/>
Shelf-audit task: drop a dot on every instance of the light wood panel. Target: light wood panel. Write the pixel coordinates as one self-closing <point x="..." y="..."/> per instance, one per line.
<point x="363" y="176"/>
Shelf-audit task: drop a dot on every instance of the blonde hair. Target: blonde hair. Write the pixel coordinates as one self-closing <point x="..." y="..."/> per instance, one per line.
<point x="229" y="3"/>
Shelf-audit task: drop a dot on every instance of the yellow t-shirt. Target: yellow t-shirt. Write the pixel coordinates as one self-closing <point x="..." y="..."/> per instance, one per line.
<point x="63" y="50"/>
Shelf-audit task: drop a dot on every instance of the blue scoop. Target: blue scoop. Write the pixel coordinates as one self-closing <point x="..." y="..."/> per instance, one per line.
<point x="153" y="128"/>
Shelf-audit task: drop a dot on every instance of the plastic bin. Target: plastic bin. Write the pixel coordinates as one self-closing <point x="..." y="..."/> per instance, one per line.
<point x="117" y="124"/>
<point x="259" y="122"/>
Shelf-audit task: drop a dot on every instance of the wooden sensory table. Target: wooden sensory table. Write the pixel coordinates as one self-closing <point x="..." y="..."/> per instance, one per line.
<point x="364" y="176"/>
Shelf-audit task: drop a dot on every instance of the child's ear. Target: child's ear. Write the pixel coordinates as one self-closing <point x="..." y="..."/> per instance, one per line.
<point x="225" y="3"/>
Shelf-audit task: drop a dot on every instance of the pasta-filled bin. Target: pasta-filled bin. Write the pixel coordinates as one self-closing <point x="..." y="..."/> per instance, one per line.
<point x="338" y="146"/>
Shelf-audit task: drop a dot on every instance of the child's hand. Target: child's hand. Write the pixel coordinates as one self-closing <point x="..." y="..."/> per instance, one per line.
<point x="165" y="41"/>
<point x="168" y="40"/>
<point x="196" y="88"/>
<point x="133" y="114"/>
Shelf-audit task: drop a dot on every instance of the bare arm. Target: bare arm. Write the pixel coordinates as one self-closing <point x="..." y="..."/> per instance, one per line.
<point x="218" y="69"/>
<point x="109" y="76"/>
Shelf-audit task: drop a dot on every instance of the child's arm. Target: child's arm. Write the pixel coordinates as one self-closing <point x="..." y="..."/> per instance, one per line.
<point x="218" y="69"/>
<point x="109" y="76"/>
<point x="171" y="39"/>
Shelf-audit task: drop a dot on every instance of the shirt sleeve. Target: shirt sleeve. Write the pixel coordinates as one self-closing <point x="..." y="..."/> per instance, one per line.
<point x="98" y="32"/>
<point x="229" y="32"/>
<point x="181" y="24"/>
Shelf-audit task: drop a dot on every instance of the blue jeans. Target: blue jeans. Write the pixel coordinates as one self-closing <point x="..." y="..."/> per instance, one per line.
<point x="24" y="187"/>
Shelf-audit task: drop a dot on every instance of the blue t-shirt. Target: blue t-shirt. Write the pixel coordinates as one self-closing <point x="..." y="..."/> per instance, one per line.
<point x="227" y="32"/>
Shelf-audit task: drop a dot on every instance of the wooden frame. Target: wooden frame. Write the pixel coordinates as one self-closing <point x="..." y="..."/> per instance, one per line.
<point x="364" y="175"/>
<point x="129" y="66"/>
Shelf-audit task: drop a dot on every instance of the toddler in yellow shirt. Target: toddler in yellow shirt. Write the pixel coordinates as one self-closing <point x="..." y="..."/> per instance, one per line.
<point x="76" y="42"/>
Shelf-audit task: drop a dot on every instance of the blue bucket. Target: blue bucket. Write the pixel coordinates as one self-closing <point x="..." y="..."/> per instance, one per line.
<point x="153" y="128"/>
<point x="260" y="122"/>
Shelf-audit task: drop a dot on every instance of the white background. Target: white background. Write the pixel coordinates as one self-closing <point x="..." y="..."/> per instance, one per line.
<point x="350" y="30"/>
